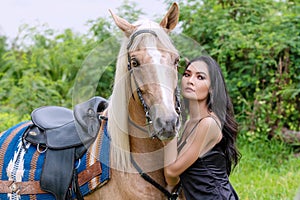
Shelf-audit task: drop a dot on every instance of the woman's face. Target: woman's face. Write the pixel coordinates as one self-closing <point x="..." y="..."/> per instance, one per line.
<point x="195" y="82"/>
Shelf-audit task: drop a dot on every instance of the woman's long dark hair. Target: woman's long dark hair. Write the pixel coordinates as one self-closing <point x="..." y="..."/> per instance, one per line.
<point x="220" y="103"/>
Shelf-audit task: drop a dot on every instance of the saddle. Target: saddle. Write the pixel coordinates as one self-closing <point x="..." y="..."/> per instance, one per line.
<point x="64" y="135"/>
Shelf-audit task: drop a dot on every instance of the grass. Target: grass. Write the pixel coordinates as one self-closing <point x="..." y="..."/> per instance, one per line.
<point x="268" y="170"/>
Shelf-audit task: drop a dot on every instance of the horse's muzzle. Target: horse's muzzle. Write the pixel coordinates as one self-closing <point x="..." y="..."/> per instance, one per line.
<point x="166" y="128"/>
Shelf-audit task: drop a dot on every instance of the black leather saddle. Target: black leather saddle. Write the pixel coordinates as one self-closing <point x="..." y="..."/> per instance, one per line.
<point x="64" y="135"/>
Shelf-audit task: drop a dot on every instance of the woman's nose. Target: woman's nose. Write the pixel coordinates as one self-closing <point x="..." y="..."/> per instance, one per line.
<point x="190" y="80"/>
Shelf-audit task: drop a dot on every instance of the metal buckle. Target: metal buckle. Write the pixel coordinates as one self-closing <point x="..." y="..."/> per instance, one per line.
<point x="174" y="196"/>
<point x="41" y="151"/>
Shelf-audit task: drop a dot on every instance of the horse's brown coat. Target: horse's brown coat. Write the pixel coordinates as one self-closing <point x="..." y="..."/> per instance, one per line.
<point x="147" y="152"/>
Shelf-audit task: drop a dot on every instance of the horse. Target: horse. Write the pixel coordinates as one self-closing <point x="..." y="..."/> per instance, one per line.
<point x="143" y="111"/>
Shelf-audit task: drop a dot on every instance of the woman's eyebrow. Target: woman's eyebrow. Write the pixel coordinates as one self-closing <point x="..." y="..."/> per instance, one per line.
<point x="201" y="73"/>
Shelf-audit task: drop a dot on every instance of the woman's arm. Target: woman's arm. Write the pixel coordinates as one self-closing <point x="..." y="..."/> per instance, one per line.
<point x="170" y="155"/>
<point x="206" y="135"/>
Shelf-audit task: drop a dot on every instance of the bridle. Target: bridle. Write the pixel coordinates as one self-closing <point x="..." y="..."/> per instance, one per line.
<point x="174" y="195"/>
<point x="138" y="90"/>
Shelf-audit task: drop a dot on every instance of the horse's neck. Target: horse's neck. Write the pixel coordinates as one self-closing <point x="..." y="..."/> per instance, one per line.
<point x="146" y="151"/>
<point x="148" y="154"/>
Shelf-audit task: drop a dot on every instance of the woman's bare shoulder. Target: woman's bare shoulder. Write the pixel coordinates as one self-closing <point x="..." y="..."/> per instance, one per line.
<point x="210" y="125"/>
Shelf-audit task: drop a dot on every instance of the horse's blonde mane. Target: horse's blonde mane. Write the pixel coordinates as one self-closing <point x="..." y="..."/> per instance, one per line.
<point x="118" y="106"/>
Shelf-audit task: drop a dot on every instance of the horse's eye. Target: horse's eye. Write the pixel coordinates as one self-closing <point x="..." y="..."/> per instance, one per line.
<point x="134" y="62"/>
<point x="176" y="62"/>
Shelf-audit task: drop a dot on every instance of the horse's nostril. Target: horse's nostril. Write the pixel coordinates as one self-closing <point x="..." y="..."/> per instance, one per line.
<point x="166" y="125"/>
<point x="159" y="122"/>
<point x="170" y="125"/>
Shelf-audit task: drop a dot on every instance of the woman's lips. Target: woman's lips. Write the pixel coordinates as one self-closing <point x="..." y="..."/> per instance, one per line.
<point x="188" y="89"/>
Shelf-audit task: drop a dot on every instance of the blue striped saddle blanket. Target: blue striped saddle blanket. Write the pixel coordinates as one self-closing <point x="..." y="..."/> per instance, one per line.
<point x="23" y="164"/>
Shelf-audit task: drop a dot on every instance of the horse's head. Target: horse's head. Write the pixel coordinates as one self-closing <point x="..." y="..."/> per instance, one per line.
<point x="152" y="66"/>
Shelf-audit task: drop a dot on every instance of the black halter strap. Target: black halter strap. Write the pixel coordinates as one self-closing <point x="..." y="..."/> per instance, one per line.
<point x="138" y="33"/>
<point x="139" y="93"/>
<point x="171" y="196"/>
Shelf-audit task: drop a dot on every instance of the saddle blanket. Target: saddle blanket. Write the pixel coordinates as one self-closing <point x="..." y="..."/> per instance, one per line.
<point x="21" y="162"/>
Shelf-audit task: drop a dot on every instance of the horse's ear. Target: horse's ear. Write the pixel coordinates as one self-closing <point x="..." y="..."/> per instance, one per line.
<point x="124" y="25"/>
<point x="170" y="20"/>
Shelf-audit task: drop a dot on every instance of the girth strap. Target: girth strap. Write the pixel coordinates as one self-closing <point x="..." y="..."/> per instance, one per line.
<point x="171" y="196"/>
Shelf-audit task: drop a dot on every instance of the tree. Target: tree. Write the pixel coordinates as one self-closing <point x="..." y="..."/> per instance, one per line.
<point x="257" y="45"/>
<point x="41" y="67"/>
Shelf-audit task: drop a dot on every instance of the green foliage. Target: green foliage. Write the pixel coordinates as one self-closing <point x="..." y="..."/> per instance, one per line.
<point x="42" y="66"/>
<point x="129" y="11"/>
<point x="3" y="45"/>
<point x="43" y="72"/>
<point x="257" y="45"/>
<point x="100" y="29"/>
<point x="8" y="120"/>
<point x="3" y="49"/>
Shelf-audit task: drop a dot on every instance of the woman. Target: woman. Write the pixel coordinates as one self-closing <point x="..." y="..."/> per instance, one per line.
<point x="207" y="147"/>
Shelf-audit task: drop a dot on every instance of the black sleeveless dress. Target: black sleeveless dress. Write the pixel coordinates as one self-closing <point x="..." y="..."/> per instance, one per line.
<point x="207" y="178"/>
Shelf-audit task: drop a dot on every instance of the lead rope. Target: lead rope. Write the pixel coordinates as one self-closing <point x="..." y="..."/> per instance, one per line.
<point x="171" y="196"/>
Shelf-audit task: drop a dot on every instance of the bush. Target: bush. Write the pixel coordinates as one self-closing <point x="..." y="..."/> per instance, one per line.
<point x="257" y="46"/>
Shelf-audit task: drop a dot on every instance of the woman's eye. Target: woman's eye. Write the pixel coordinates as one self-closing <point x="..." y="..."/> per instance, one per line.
<point x="185" y="74"/>
<point x="134" y="62"/>
<point x="201" y="77"/>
